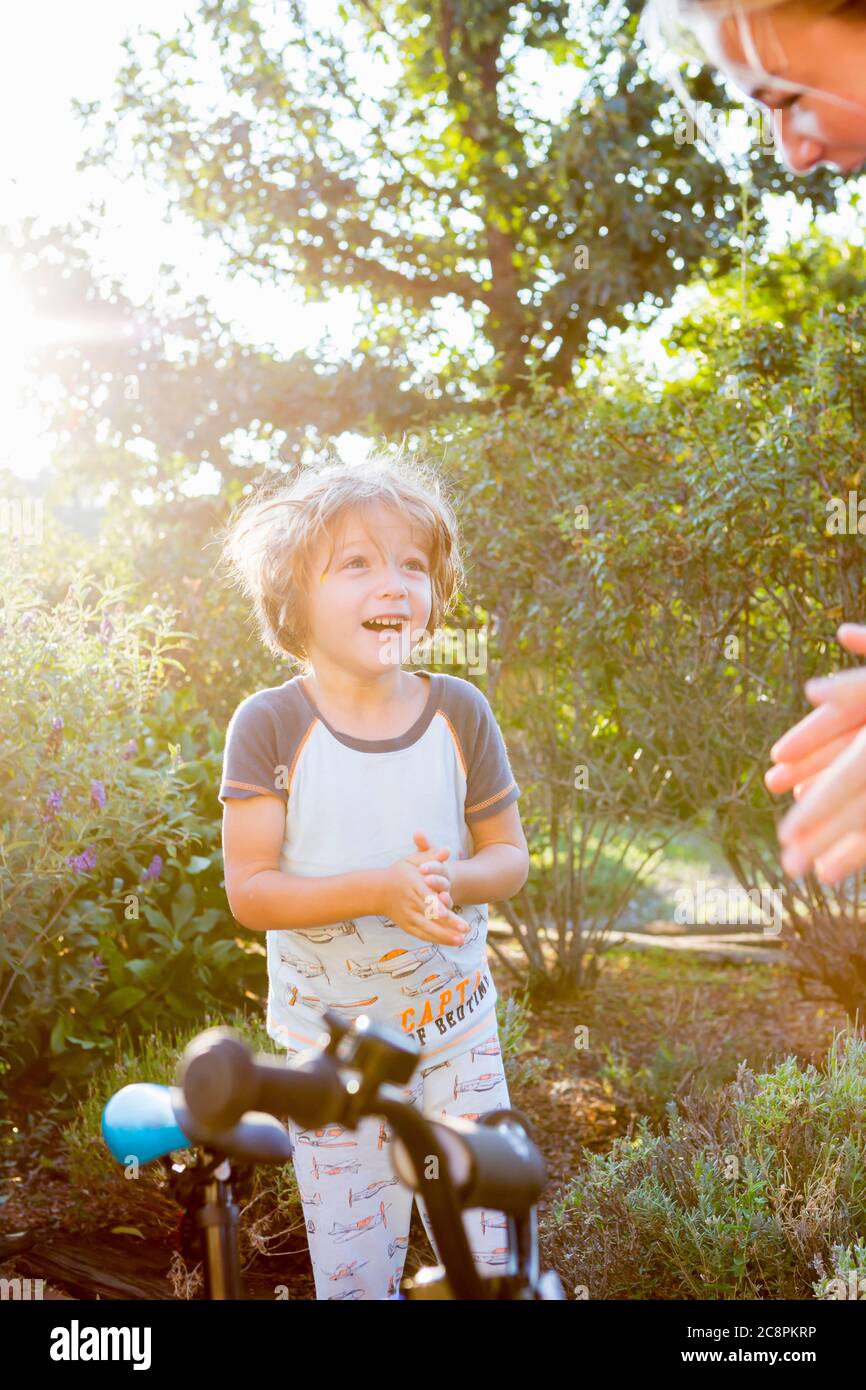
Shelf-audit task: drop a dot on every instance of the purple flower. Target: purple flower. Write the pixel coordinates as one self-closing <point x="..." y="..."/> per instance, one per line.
<point x="27" y="620"/>
<point x="106" y="631"/>
<point x="98" y="964"/>
<point x="154" y="868"/>
<point x="131" y="750"/>
<point x="82" y="862"/>
<point x="57" y="723"/>
<point x="97" y="795"/>
<point x="52" y="805"/>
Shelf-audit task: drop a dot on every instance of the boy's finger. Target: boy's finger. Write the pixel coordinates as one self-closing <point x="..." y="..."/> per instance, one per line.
<point x="441" y="931"/>
<point x="444" y="914"/>
<point x="438" y="885"/>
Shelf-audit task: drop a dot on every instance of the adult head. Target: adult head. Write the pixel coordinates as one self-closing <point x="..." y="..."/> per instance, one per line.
<point x="803" y="59"/>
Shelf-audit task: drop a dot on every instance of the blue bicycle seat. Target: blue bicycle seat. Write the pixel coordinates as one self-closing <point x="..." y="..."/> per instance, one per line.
<point x="140" y="1122"/>
<point x="147" y="1121"/>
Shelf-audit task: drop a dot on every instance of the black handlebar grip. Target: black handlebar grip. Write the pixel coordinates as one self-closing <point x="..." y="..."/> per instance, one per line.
<point x="310" y="1090"/>
<point x="497" y="1166"/>
<point x="222" y="1080"/>
<point x="218" y="1075"/>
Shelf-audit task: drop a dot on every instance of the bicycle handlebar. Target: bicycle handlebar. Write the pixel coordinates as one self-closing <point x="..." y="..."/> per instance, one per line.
<point x="493" y="1163"/>
<point x="222" y="1080"/>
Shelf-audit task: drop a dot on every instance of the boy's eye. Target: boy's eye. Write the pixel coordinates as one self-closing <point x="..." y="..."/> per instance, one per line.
<point x="419" y="563"/>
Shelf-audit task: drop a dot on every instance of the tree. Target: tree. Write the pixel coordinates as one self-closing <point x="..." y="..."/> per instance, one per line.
<point x="457" y="187"/>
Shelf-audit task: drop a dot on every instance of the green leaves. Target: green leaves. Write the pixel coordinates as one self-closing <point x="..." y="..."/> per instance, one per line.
<point x="120" y="1001"/>
<point x="111" y="898"/>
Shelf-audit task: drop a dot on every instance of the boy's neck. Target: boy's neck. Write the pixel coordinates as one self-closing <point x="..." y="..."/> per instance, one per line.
<point x="361" y="699"/>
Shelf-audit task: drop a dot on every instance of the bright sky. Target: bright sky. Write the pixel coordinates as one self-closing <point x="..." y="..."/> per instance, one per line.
<point x="54" y="50"/>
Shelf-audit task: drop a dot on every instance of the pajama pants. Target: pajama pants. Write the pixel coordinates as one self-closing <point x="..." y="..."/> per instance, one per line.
<point x="357" y="1213"/>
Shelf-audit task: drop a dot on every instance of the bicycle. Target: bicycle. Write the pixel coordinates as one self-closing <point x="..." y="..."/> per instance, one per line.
<point x="227" y="1105"/>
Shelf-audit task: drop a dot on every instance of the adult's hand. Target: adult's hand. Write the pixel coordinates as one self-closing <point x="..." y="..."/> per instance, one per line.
<point x="823" y="758"/>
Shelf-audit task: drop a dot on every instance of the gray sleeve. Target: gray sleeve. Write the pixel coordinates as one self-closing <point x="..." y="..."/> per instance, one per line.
<point x="490" y="784"/>
<point x="251" y="761"/>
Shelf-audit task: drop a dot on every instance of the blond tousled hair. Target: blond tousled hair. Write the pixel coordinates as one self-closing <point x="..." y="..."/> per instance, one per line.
<point x="270" y="537"/>
<point x="665" y="23"/>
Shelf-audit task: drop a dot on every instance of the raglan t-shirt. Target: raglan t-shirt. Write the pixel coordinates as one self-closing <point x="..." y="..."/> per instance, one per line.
<point x="352" y="804"/>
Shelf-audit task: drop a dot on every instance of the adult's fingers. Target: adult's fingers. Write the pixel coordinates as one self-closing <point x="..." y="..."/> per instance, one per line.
<point x="843" y="859"/>
<point x="847" y="689"/>
<point x="840" y="784"/>
<point x="801" y="851"/>
<point x="815" y="729"/>
<point x="786" y="775"/>
<point x="852" y="636"/>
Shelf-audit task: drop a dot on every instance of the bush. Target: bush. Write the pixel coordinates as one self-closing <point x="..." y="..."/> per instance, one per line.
<point x="107" y="781"/>
<point x="751" y="1193"/>
<point x="660" y="578"/>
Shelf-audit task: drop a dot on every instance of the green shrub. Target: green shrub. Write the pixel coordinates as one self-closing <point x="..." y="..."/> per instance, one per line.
<point x="111" y="905"/>
<point x="660" y="578"/>
<point x="513" y="1016"/>
<point x="752" y="1192"/>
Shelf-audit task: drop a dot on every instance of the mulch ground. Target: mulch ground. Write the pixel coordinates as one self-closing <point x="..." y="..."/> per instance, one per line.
<point x="641" y="1004"/>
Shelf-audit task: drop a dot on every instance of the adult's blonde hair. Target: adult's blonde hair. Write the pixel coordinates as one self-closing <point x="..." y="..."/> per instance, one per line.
<point x="269" y="539"/>
<point x="664" y="25"/>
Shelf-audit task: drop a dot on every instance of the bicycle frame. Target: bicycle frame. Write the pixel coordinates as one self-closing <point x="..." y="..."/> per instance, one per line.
<point x="207" y="1198"/>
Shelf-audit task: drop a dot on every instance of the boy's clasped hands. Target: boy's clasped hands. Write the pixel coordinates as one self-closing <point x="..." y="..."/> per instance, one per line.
<point x="417" y="895"/>
<point x="823" y="758"/>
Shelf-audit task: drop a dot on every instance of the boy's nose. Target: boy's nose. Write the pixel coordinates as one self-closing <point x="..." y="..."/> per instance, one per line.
<point x="393" y="585"/>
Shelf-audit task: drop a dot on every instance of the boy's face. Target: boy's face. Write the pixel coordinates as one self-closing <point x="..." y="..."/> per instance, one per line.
<point x="380" y="566"/>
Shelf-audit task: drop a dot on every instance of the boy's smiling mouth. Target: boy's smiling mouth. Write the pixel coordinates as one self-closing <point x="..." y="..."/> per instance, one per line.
<point x="384" y="624"/>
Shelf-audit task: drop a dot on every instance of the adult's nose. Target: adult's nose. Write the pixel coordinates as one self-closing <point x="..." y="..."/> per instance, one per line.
<point x="799" y="152"/>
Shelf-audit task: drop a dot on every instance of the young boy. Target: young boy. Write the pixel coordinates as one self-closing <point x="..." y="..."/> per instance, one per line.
<point x="369" y="816"/>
